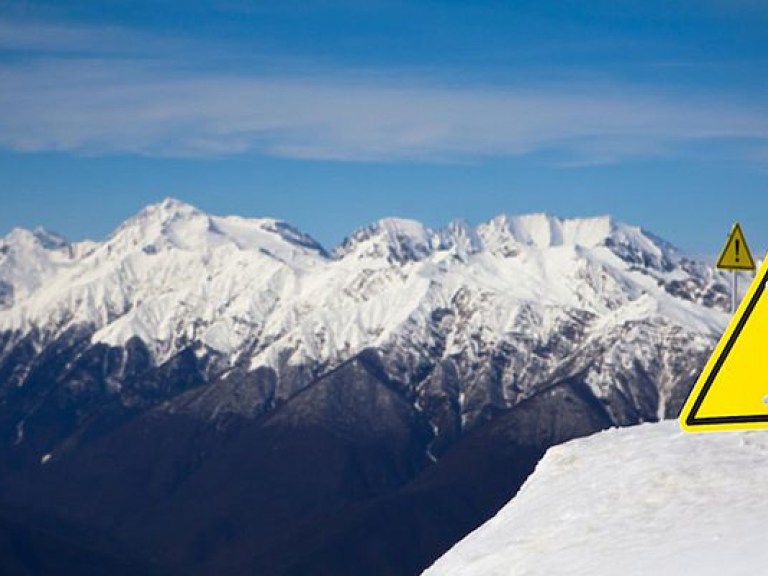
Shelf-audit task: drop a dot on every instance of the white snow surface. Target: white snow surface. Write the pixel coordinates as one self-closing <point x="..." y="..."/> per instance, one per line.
<point x="173" y="275"/>
<point x="635" y="501"/>
<point x="29" y="258"/>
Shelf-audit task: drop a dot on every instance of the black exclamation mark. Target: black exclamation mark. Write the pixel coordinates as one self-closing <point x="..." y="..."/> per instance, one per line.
<point x="738" y="244"/>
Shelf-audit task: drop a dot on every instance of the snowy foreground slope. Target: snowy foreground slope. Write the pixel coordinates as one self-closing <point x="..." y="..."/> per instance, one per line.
<point x="635" y="501"/>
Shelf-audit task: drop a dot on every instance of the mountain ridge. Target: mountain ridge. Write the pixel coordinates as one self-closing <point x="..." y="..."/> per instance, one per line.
<point x="259" y="294"/>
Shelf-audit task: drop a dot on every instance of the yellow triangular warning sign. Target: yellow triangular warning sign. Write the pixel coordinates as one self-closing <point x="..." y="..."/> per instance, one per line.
<point x="732" y="391"/>
<point x="736" y="254"/>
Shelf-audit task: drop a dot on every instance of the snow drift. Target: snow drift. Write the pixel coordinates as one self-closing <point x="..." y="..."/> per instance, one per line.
<point x="636" y="501"/>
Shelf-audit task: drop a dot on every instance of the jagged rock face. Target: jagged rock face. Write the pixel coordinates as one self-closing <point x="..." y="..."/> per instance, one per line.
<point x="404" y="343"/>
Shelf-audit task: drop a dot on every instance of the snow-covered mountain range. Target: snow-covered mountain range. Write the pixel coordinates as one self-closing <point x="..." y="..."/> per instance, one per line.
<point x="502" y="309"/>
<point x="342" y="384"/>
<point x="678" y="503"/>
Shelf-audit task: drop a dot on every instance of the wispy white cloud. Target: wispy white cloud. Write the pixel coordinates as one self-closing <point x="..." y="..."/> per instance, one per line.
<point x="94" y="104"/>
<point x="68" y="38"/>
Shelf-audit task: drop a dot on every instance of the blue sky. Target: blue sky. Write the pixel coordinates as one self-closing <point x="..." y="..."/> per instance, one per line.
<point x="332" y="114"/>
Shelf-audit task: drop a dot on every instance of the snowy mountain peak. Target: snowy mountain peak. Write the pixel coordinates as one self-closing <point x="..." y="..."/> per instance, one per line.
<point x="37" y="237"/>
<point x="28" y="258"/>
<point x="172" y="220"/>
<point x="544" y="230"/>
<point x="178" y="225"/>
<point x="169" y="208"/>
<point x="462" y="237"/>
<point x="392" y="239"/>
<point x="507" y="235"/>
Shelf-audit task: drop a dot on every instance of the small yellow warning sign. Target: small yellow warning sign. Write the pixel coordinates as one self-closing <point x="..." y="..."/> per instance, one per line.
<point x="736" y="254"/>
<point x="732" y="391"/>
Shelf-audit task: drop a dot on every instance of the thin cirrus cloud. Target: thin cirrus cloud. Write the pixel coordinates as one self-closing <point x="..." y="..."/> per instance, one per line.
<point x="66" y="95"/>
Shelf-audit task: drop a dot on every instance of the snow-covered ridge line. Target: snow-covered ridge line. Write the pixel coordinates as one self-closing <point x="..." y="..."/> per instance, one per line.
<point x="541" y="230"/>
<point x="403" y="240"/>
<point x="38" y="268"/>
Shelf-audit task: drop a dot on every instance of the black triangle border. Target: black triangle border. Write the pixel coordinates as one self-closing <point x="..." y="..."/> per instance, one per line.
<point x="692" y="419"/>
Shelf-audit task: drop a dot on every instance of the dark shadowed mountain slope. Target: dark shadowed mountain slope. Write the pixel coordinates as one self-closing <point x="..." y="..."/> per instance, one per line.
<point x="32" y="551"/>
<point x="405" y="532"/>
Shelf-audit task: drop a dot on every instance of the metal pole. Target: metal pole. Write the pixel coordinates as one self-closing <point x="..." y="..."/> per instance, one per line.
<point x="733" y="295"/>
